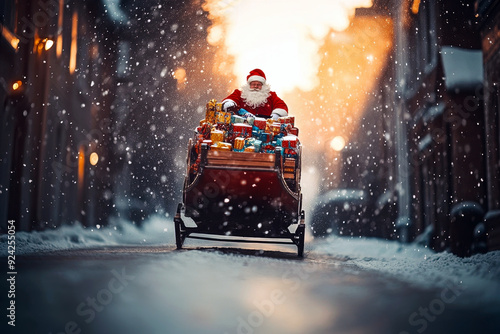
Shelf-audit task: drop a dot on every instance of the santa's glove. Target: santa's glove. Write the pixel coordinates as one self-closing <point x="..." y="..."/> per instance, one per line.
<point x="275" y="117"/>
<point x="228" y="105"/>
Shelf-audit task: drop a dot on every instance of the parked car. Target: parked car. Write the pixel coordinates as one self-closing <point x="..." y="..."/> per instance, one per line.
<point x="342" y="212"/>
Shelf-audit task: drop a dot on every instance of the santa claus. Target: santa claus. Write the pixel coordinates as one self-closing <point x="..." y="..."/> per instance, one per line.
<point x="256" y="98"/>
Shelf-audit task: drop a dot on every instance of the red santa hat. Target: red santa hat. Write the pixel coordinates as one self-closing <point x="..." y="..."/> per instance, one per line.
<point x="256" y="75"/>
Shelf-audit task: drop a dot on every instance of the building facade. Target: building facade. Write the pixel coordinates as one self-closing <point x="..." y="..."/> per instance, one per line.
<point x="55" y="132"/>
<point x="441" y="129"/>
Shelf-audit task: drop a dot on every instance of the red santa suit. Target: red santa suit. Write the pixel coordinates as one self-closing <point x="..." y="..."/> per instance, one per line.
<point x="268" y="104"/>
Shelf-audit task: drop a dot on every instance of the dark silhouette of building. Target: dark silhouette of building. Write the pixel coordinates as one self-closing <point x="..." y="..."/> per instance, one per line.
<point x="55" y="118"/>
<point x="434" y="120"/>
<point x="92" y="114"/>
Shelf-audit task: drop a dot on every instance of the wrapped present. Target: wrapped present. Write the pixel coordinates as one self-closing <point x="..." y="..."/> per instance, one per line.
<point x="249" y="141"/>
<point x="237" y="119"/>
<point x="285" y="128"/>
<point x="221" y="146"/>
<point x="269" y="123"/>
<point x="283" y="119"/>
<point x="242" y="130"/>
<point x="275" y="128"/>
<point x="287" y="120"/>
<point x="250" y="119"/>
<point x="217" y="135"/>
<point x="239" y="143"/>
<point x="290" y="153"/>
<point x="268" y="148"/>
<point x="223" y="117"/>
<point x="265" y="137"/>
<point x="260" y="123"/>
<point x="211" y="111"/>
<point x="278" y="141"/>
<point x="289" y="141"/>
<point x="258" y="145"/>
<point x="205" y="130"/>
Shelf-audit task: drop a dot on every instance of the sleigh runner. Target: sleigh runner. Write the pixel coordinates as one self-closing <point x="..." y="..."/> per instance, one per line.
<point x="242" y="180"/>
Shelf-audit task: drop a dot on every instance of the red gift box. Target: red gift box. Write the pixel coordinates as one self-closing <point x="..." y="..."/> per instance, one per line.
<point x="287" y="120"/>
<point x="289" y="142"/>
<point x="294" y="131"/>
<point x="260" y="122"/>
<point x="242" y="130"/>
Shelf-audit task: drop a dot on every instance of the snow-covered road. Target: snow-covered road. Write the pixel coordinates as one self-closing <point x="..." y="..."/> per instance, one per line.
<point x="127" y="280"/>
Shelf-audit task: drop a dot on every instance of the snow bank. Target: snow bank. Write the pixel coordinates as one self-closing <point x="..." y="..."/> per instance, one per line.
<point x="155" y="231"/>
<point x="418" y="265"/>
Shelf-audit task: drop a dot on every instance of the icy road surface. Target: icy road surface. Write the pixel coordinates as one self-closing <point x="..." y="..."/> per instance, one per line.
<point x="82" y="281"/>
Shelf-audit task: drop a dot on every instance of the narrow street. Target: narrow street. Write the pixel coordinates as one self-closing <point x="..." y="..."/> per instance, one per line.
<point x="213" y="289"/>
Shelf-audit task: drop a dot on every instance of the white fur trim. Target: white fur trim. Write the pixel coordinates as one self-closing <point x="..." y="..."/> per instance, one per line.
<point x="280" y="112"/>
<point x="226" y="100"/>
<point x="256" y="78"/>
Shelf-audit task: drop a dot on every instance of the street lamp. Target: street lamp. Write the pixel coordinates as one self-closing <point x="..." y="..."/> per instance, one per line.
<point x="337" y="143"/>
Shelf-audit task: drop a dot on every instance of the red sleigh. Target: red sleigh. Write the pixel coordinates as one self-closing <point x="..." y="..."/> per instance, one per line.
<point x="242" y="196"/>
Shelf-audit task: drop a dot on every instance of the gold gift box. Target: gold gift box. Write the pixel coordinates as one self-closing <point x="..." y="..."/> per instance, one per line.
<point x="223" y="117"/>
<point x="239" y="143"/>
<point x="210" y="112"/>
<point x="217" y="135"/>
<point x="221" y="146"/>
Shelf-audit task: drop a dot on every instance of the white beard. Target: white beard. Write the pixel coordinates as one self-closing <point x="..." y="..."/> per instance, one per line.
<point x="255" y="98"/>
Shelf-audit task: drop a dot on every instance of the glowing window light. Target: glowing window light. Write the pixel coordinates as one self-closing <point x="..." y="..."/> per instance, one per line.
<point x="45" y="44"/>
<point x="60" y="16"/>
<point x="48" y="44"/>
<point x="415" y="6"/>
<point x="94" y="158"/>
<point x="16" y="85"/>
<point x="337" y="143"/>
<point x="81" y="166"/>
<point x="74" y="38"/>
<point x="10" y="37"/>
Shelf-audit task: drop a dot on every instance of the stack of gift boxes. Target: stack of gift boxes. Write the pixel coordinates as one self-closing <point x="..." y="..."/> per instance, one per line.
<point x="227" y="131"/>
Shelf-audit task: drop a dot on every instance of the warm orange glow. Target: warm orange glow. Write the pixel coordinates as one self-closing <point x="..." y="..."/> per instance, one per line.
<point x="415" y="6"/>
<point x="74" y="45"/>
<point x="81" y="166"/>
<point x="337" y="143"/>
<point x="352" y="64"/>
<point x="44" y="44"/>
<point x="16" y="85"/>
<point x="10" y="37"/>
<point x="283" y="40"/>
<point x="94" y="158"/>
<point x="60" y="17"/>
<point x="324" y="62"/>
<point x="47" y="44"/>
<point x="180" y="76"/>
